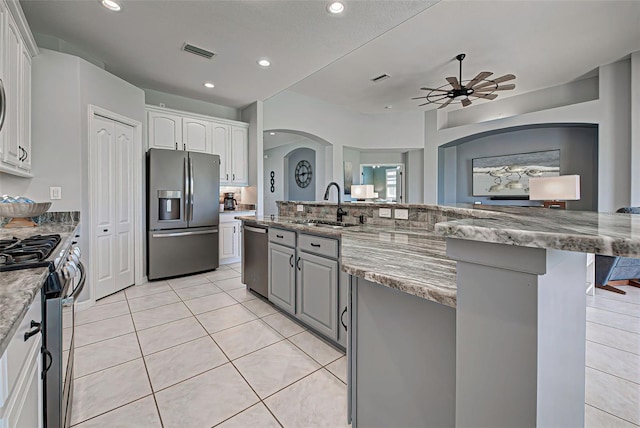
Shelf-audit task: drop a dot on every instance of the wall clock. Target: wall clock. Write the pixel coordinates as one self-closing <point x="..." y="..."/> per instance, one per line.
<point x="303" y="174"/>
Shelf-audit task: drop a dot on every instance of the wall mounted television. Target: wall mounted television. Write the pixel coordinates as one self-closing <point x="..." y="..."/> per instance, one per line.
<point x="508" y="176"/>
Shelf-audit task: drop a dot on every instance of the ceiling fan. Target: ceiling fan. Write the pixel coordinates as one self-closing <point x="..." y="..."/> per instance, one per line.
<point x="462" y="91"/>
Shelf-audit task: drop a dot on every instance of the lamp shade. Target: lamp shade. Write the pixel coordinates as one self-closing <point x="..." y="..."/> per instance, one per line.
<point x="560" y="188"/>
<point x="362" y="191"/>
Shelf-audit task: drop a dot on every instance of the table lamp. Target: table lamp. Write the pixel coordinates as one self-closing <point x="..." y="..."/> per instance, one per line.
<point x="362" y="192"/>
<point x="554" y="191"/>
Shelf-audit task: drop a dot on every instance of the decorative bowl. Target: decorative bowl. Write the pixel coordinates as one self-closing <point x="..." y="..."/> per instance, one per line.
<point x="20" y="211"/>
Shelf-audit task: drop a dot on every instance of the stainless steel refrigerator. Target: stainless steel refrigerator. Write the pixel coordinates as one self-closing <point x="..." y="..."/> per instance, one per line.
<point x="183" y="190"/>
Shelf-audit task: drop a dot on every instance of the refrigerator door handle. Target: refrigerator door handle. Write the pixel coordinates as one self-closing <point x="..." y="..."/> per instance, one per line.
<point x="191" y="189"/>
<point x="186" y="190"/>
<point x="173" y="235"/>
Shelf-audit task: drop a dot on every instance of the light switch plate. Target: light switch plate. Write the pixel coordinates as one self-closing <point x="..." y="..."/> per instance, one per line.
<point x="55" y="193"/>
<point x="300" y="208"/>
<point x="384" y="212"/>
<point x="401" y="214"/>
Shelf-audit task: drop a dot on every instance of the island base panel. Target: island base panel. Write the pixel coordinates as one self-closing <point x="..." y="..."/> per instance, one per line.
<point x="405" y="367"/>
<point x="520" y="335"/>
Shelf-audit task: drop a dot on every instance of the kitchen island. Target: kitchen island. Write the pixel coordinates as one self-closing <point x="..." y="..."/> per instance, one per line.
<point x="481" y="317"/>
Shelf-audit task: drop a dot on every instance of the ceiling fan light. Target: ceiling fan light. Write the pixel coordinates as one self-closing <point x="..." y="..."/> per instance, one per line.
<point x="335" y="7"/>
<point x="112" y="5"/>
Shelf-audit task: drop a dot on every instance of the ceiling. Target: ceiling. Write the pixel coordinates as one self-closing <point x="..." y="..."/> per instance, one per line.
<point x="142" y="43"/>
<point x="333" y="58"/>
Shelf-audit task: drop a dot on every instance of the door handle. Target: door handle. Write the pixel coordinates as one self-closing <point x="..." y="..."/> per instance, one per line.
<point x="3" y="104"/>
<point x="186" y="189"/>
<point x="254" y="229"/>
<point x="298" y="263"/>
<point x="46" y="354"/>
<point x="291" y="260"/>
<point x="190" y="189"/>
<point x="315" y="245"/>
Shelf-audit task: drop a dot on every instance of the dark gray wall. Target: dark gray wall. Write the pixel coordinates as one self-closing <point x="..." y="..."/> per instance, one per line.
<point x="578" y="155"/>
<point x="296" y="193"/>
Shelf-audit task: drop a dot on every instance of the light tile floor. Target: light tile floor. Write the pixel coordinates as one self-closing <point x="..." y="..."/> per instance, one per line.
<point x="201" y="351"/>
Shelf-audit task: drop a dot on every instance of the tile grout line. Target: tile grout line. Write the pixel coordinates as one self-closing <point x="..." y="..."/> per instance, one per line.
<point x="613" y="347"/>
<point x="110" y="410"/>
<point x="613" y="326"/>
<point x="155" y="401"/>
<point x="612" y="414"/>
<point x="613" y="375"/>
<point x="614" y="311"/>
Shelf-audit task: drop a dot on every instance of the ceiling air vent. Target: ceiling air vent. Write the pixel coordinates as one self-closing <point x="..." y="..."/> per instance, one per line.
<point x="380" y="78"/>
<point x="197" y="51"/>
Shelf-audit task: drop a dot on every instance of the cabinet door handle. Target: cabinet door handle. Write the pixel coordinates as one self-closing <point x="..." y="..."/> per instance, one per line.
<point x="291" y="260"/>
<point x="46" y="354"/>
<point x="234" y="229"/>
<point x="298" y="263"/>
<point x="176" y="145"/>
<point x="105" y="230"/>
<point x="227" y="177"/>
<point x="315" y="245"/>
<point x="26" y="155"/>
<point x="341" y="318"/>
<point x="36" y="329"/>
<point x="184" y="146"/>
<point x="233" y="176"/>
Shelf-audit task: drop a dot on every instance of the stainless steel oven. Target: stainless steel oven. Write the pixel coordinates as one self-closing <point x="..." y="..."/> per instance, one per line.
<point x="62" y="289"/>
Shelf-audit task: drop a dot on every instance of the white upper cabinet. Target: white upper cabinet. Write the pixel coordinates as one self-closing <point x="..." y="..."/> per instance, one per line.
<point x="196" y="135"/>
<point x="239" y="155"/>
<point x="165" y="131"/>
<point x="16" y="49"/>
<point x="222" y="147"/>
<point x="176" y="130"/>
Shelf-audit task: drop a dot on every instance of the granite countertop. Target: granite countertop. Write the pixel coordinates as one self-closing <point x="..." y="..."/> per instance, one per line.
<point x="18" y="288"/>
<point x="579" y="231"/>
<point x="409" y="260"/>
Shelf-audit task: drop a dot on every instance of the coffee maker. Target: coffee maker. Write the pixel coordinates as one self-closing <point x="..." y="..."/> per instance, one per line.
<point x="230" y="203"/>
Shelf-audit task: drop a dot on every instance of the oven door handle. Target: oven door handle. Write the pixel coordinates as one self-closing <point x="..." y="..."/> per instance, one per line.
<point x="83" y="278"/>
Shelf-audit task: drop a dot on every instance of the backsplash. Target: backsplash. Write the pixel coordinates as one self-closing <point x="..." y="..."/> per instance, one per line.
<point x="420" y="216"/>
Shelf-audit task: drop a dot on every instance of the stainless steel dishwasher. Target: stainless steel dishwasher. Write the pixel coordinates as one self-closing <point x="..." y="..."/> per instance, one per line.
<point x="255" y="271"/>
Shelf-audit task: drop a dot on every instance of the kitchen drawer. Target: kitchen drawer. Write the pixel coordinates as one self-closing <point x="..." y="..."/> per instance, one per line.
<point x="322" y="246"/>
<point x="15" y="356"/>
<point x="282" y="237"/>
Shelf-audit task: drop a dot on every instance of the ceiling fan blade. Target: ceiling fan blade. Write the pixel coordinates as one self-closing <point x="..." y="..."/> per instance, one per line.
<point x="499" y="88"/>
<point x="432" y="89"/>
<point x="446" y="103"/>
<point x="480" y="77"/>
<point x="454" y="82"/>
<point x="485" y="96"/>
<point x="466" y="102"/>
<point x="417" y="98"/>
<point x="504" y="78"/>
<point x="420" y="105"/>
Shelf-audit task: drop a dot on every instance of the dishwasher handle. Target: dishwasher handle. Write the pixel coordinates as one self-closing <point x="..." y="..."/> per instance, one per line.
<point x="254" y="229"/>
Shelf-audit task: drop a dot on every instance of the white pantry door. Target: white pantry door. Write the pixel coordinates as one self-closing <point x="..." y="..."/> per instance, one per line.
<point x="112" y="205"/>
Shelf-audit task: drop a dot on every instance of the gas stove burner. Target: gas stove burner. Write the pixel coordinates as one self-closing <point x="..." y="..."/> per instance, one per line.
<point x="27" y="253"/>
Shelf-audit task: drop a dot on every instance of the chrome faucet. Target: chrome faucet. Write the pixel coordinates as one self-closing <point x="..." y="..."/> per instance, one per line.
<point x="341" y="213"/>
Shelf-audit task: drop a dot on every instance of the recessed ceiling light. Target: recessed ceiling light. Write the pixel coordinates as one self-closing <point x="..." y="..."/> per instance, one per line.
<point x="388" y="107"/>
<point x="335" y="7"/>
<point x="111" y="5"/>
<point x="272" y="133"/>
<point x="264" y="62"/>
<point x="209" y="85"/>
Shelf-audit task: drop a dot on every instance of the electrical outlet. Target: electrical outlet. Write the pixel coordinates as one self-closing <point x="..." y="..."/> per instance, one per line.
<point x="384" y="212"/>
<point x="300" y="208"/>
<point x="55" y="193"/>
<point x="401" y="214"/>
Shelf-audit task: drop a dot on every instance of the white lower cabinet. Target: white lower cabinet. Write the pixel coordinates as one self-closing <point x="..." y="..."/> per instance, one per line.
<point x="20" y="380"/>
<point x="230" y="240"/>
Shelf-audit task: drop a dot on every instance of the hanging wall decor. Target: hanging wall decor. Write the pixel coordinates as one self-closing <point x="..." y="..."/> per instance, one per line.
<point x="273" y="182"/>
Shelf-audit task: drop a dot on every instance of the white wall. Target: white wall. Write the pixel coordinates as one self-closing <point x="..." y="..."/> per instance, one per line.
<point x="635" y="129"/>
<point x="254" y="194"/>
<point x="275" y="160"/>
<point x="341" y="127"/>
<point x="153" y="97"/>
<point x="611" y="112"/>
